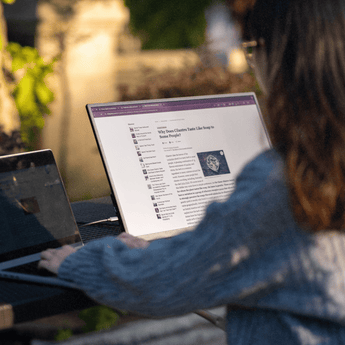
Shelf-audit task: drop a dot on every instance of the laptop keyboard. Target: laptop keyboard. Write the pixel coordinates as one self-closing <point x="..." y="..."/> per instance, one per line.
<point x="90" y="233"/>
<point x="87" y="234"/>
<point x="31" y="268"/>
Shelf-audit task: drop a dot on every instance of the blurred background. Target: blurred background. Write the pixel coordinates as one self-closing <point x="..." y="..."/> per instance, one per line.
<point x="59" y="55"/>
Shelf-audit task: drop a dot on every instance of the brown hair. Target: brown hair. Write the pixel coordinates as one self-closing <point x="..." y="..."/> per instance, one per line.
<point x="305" y="45"/>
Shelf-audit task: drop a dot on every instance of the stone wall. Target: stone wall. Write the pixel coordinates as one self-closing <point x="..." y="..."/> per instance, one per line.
<point x="133" y="66"/>
<point x="97" y="55"/>
<point x="86" y="73"/>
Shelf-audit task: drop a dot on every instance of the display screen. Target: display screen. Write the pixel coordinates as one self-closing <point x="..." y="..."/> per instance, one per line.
<point x="166" y="160"/>
<point x="34" y="210"/>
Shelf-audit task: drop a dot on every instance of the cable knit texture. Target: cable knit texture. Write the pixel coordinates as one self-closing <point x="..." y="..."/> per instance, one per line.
<point x="248" y="252"/>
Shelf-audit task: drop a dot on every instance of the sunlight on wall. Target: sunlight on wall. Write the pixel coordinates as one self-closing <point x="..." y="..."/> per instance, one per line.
<point x="87" y="74"/>
<point x="91" y="52"/>
<point x="237" y="61"/>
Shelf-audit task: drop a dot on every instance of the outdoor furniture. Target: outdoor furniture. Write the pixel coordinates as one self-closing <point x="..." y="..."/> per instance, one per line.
<point x="58" y="300"/>
<point x="61" y="300"/>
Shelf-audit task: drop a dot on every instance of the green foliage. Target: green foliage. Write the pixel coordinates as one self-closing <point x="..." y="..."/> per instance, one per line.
<point x="96" y="319"/>
<point x="169" y="24"/>
<point x="31" y="94"/>
<point x="63" y="334"/>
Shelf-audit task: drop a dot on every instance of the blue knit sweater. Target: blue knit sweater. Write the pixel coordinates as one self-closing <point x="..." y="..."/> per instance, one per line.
<point x="247" y="252"/>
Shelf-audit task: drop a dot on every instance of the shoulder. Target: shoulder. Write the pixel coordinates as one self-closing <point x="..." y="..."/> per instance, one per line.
<point x="261" y="193"/>
<point x="265" y="174"/>
<point x="268" y="163"/>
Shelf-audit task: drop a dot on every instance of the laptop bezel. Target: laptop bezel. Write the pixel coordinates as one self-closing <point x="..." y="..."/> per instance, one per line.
<point x="21" y="256"/>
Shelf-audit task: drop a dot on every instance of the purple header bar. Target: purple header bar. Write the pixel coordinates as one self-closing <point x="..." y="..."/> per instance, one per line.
<point x="164" y="106"/>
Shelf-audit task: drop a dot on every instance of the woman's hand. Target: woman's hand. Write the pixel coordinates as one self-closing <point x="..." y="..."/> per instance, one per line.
<point x="131" y="241"/>
<point x="51" y="259"/>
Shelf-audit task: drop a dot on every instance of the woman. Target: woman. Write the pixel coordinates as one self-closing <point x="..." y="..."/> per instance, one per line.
<point x="275" y="251"/>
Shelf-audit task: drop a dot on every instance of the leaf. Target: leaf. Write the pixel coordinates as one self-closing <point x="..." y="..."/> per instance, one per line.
<point x="63" y="334"/>
<point x="98" y="318"/>
<point x="24" y="96"/>
<point x="31" y="94"/>
<point x="44" y="95"/>
<point x="17" y="59"/>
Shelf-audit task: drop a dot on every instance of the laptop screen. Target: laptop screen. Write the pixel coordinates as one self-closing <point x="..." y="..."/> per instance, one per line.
<point x="34" y="210"/>
<point x="167" y="159"/>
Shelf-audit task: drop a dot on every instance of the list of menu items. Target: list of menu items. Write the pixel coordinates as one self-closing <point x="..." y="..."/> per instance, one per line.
<point x="158" y="189"/>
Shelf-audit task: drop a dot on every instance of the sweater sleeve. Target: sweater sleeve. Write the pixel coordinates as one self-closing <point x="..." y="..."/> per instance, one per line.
<point x="224" y="260"/>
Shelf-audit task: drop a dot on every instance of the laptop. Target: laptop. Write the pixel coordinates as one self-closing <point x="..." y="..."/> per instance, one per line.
<point x="35" y="214"/>
<point x="167" y="159"/>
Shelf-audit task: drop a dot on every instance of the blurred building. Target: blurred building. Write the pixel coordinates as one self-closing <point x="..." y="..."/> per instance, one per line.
<point x="223" y="38"/>
<point x="97" y="54"/>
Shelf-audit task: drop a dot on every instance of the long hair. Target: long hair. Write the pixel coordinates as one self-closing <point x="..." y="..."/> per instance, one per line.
<point x="305" y="46"/>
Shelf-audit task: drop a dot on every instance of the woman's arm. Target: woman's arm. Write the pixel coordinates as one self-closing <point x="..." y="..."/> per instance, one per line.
<point x="212" y="265"/>
<point x="51" y="259"/>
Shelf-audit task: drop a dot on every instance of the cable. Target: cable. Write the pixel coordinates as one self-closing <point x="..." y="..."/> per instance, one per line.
<point x="214" y="319"/>
<point x="111" y="219"/>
